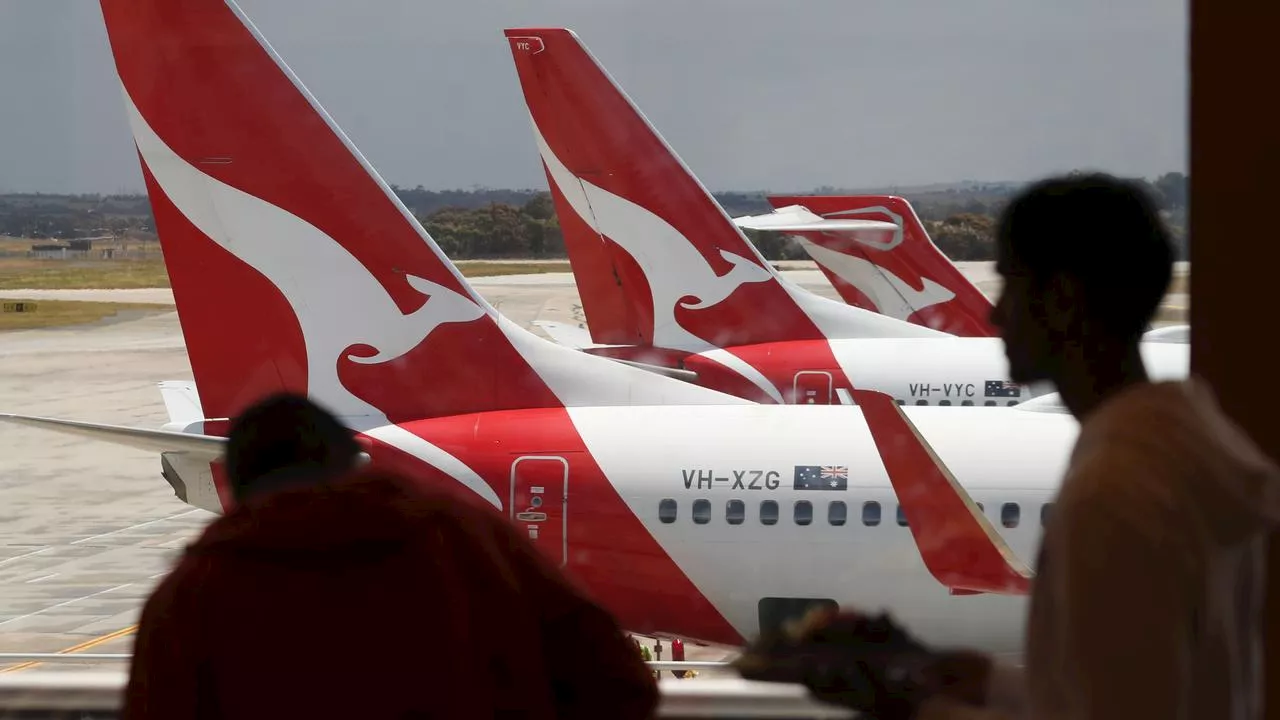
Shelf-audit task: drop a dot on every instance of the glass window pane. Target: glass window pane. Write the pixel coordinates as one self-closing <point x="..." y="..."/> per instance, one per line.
<point x="667" y="510"/>
<point x="871" y="513"/>
<point x="702" y="511"/>
<point x="769" y="512"/>
<point x="1009" y="515"/>
<point x="837" y="512"/>
<point x="803" y="512"/>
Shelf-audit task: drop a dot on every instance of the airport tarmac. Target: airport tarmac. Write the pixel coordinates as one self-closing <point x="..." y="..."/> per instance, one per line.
<point x="87" y="528"/>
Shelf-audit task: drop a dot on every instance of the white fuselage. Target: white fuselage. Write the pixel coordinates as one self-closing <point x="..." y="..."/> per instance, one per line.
<point x="946" y="371"/>
<point x="652" y="456"/>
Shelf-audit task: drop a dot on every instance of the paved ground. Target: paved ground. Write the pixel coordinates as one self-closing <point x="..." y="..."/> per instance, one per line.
<point x="86" y="528"/>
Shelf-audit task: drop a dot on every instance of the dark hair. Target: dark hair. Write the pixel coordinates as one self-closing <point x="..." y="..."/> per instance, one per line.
<point x="286" y="432"/>
<point x="1102" y="232"/>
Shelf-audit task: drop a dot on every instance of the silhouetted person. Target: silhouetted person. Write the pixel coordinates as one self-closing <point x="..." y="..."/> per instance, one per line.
<point x="333" y="591"/>
<point x="1151" y="570"/>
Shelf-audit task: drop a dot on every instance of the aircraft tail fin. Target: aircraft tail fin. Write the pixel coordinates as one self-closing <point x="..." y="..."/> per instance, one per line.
<point x="657" y="260"/>
<point x="959" y="546"/>
<point x="294" y="266"/>
<point x="896" y="271"/>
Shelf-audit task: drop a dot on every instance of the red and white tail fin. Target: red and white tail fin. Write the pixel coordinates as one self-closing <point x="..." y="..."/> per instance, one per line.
<point x="657" y="260"/>
<point x="898" y="272"/>
<point x="294" y="266"/>
<point x="957" y="544"/>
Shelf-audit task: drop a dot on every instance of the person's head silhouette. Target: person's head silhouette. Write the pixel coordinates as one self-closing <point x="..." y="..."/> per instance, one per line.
<point x="285" y="440"/>
<point x="1086" y="261"/>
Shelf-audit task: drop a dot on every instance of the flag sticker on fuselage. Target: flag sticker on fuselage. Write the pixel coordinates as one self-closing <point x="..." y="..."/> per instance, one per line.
<point x="821" y="477"/>
<point x="1002" y="388"/>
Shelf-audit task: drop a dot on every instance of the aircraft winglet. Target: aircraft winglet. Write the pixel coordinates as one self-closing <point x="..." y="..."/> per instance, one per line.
<point x="958" y="545"/>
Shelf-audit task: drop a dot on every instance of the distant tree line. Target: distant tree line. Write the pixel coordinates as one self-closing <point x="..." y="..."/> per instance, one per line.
<point x="500" y="223"/>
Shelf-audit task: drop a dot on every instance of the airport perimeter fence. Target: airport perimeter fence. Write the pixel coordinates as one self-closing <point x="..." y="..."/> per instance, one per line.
<point x="96" y="696"/>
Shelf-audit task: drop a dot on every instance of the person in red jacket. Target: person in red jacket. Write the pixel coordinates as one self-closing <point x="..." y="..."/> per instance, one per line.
<point x="333" y="591"/>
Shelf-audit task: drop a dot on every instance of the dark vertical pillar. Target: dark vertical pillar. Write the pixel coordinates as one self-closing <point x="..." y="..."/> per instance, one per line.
<point x="1235" y="253"/>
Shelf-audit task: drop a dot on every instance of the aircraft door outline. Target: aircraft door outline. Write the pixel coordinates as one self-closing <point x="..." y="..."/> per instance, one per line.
<point x="537" y="497"/>
<point x="805" y="391"/>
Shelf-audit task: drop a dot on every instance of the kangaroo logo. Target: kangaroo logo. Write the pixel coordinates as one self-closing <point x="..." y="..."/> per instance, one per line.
<point x="677" y="274"/>
<point x="891" y="295"/>
<point x="335" y="322"/>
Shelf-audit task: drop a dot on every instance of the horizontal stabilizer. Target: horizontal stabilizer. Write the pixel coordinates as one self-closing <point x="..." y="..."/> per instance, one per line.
<point x="677" y="373"/>
<point x="798" y="219"/>
<point x="1049" y="402"/>
<point x="181" y="401"/>
<point x="571" y="336"/>
<point x="1169" y="334"/>
<point x="958" y="545"/>
<point x="142" y="439"/>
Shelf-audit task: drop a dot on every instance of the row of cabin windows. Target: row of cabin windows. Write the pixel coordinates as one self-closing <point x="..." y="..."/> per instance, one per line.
<point x="963" y="403"/>
<point x="735" y="512"/>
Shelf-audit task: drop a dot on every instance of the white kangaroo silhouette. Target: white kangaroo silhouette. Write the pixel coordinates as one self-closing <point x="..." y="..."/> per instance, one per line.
<point x="672" y="265"/>
<point x="337" y="302"/>
<point x="891" y="294"/>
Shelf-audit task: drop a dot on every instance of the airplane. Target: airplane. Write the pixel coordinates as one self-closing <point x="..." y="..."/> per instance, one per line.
<point x="886" y="262"/>
<point x="892" y="268"/>
<point x="683" y="510"/>
<point x="668" y="282"/>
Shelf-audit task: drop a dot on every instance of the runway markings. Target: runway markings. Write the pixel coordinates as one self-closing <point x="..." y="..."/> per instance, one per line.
<point x="64" y="603"/>
<point x="25" y="555"/>
<point x="136" y="526"/>
<point x="86" y="645"/>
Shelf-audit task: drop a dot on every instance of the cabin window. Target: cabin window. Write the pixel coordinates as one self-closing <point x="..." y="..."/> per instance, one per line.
<point x="735" y="511"/>
<point x="981" y="508"/>
<point x="667" y="510"/>
<point x="966" y="403"/>
<point x="1009" y="515"/>
<point x="803" y="512"/>
<point x="900" y="401"/>
<point x="1044" y="512"/>
<point x="1012" y="403"/>
<point x="922" y="402"/>
<point x="989" y="403"/>
<point x="837" y="512"/>
<point x="702" y="511"/>
<point x="902" y="517"/>
<point x="945" y="403"/>
<point x="769" y="512"/>
<point x="871" y="513"/>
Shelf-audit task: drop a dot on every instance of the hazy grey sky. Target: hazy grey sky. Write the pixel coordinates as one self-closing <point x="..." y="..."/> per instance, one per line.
<point x="753" y="94"/>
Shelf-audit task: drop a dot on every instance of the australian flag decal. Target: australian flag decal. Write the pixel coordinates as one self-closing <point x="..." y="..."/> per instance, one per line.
<point x="821" y="477"/>
<point x="1002" y="388"/>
